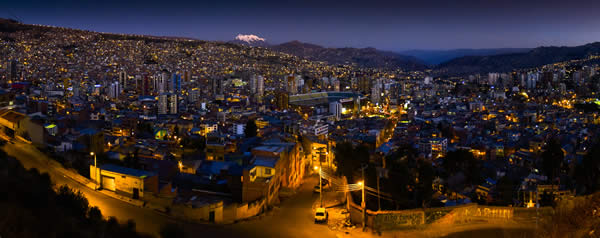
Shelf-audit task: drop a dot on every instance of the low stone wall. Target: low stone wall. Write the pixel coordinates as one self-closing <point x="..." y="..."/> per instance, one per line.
<point x="235" y="212"/>
<point x="463" y="214"/>
<point x="199" y="214"/>
<point x="248" y="210"/>
<point x="386" y="220"/>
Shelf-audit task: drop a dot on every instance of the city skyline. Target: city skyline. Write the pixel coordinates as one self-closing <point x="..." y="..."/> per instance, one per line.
<point x="381" y="24"/>
<point x="112" y="126"/>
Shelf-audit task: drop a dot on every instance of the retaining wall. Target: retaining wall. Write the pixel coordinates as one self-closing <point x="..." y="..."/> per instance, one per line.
<point x="463" y="214"/>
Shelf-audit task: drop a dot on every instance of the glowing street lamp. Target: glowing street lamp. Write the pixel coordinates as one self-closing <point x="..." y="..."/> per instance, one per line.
<point x="320" y="167"/>
<point x="317" y="168"/>
<point x="95" y="170"/>
<point x="362" y="203"/>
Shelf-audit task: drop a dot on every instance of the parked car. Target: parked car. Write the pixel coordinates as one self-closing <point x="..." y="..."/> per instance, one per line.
<point x="321" y="215"/>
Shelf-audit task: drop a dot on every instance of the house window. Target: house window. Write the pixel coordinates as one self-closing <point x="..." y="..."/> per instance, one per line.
<point x="267" y="171"/>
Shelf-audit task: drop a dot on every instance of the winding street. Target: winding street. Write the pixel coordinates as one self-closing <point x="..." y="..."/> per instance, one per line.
<point x="293" y="218"/>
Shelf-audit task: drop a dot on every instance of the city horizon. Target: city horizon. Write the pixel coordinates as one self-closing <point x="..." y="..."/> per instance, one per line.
<point x="415" y="26"/>
<point x="179" y="119"/>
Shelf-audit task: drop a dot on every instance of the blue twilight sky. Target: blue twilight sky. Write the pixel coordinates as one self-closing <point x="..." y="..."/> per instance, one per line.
<point x="384" y="24"/>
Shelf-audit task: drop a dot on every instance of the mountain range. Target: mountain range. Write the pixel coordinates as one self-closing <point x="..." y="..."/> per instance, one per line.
<point x="250" y="40"/>
<point x="435" y="57"/>
<point x="506" y="62"/>
<point x="444" y="62"/>
<point x="468" y="61"/>
<point x="364" y="57"/>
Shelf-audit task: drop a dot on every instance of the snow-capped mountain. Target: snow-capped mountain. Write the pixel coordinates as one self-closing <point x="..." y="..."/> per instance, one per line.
<point x="251" y="40"/>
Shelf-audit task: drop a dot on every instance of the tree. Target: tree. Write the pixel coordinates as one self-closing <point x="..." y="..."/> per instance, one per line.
<point x="74" y="203"/>
<point x="587" y="173"/>
<point x="400" y="182"/>
<point x="251" y="129"/>
<point x="463" y="160"/>
<point x="552" y="159"/>
<point x="349" y="158"/>
<point x="32" y="202"/>
<point x="95" y="215"/>
<point x="425" y="185"/>
<point x="506" y="189"/>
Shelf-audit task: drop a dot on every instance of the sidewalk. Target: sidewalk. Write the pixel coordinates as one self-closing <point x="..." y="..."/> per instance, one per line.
<point x="473" y="230"/>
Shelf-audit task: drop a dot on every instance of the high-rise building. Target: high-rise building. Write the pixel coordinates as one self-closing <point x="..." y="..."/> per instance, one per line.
<point x="377" y="91"/>
<point x="162" y="82"/>
<point x="335" y="108"/>
<point x="578" y="76"/>
<point x="175" y="84"/>
<point x="428" y="80"/>
<point x="292" y="84"/>
<point x="167" y="103"/>
<point x="532" y="79"/>
<point x="173" y="100"/>
<point x="76" y="90"/>
<point x="257" y="85"/>
<point x="493" y="78"/>
<point x="186" y="76"/>
<point x="260" y="86"/>
<point x="252" y="84"/>
<point x="122" y="80"/>
<point x="114" y="90"/>
<point x="282" y="99"/>
<point x="216" y="85"/>
<point x="13" y="71"/>
<point x="145" y="84"/>
<point x="335" y="84"/>
<point x="194" y="95"/>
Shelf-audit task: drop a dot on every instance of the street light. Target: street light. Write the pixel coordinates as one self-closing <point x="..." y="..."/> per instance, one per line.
<point x="363" y="203"/>
<point x="320" y="152"/>
<point x="95" y="170"/>
<point x="320" y="186"/>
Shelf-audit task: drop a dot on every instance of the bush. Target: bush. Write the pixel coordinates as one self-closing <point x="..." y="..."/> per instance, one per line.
<point x="32" y="208"/>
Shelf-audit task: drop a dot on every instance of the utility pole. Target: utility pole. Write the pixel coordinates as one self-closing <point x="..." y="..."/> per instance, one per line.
<point x="363" y="203"/>
<point x="378" y="195"/>
<point x="320" y="152"/>
<point x="95" y="170"/>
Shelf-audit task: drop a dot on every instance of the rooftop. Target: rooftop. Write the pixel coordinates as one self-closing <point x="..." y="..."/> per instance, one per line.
<point x="127" y="171"/>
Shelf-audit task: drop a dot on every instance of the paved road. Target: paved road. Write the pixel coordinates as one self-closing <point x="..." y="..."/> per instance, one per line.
<point x="293" y="218"/>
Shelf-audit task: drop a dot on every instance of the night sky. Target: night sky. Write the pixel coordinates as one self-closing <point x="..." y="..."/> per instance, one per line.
<point x="390" y="25"/>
